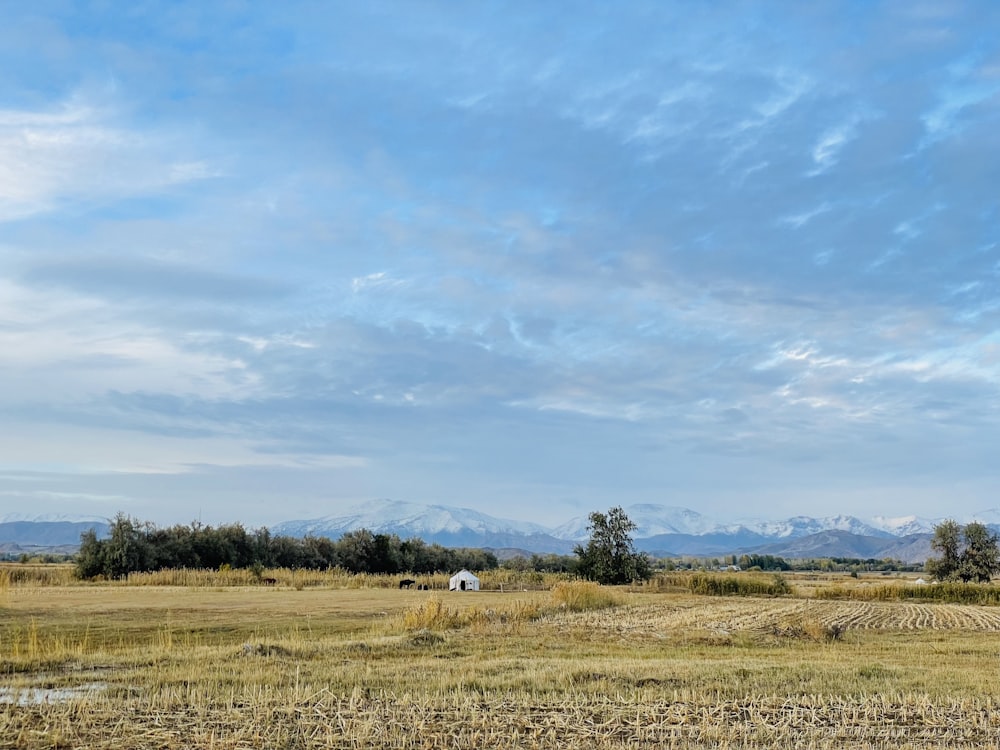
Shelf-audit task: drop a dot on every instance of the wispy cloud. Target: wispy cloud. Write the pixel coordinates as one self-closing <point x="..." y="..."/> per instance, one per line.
<point x="827" y="150"/>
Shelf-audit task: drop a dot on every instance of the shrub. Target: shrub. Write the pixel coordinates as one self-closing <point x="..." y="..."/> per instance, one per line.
<point x="819" y="631"/>
<point x="809" y="629"/>
<point x="426" y="638"/>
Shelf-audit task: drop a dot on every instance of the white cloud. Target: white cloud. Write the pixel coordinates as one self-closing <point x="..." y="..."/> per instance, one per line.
<point x="832" y="141"/>
<point x="373" y="281"/>
<point x="75" y="152"/>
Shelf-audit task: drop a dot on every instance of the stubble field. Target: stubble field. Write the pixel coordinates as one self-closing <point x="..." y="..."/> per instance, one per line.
<point x="322" y="666"/>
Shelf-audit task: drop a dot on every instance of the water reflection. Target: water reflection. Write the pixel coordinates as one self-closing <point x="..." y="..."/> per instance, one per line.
<point x="32" y="696"/>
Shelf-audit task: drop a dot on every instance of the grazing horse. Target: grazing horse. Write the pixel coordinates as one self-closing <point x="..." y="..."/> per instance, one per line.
<point x="269" y="581"/>
<point x="406" y="583"/>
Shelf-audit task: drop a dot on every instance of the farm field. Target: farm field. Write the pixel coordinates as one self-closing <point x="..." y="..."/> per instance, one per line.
<point x="112" y="666"/>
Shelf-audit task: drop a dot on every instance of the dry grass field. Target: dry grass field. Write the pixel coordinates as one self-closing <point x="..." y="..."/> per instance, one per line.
<point x="330" y="666"/>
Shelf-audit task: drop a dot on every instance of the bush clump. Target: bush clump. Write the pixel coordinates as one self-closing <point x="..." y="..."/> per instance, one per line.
<point x="810" y="629"/>
<point x="426" y="637"/>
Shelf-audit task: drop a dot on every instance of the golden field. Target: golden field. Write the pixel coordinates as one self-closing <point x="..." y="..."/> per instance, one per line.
<point x="337" y="663"/>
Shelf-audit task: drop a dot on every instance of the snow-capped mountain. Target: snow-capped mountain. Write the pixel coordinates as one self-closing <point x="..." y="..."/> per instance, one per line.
<point x="904" y="525"/>
<point x="446" y="525"/>
<point x="805" y="525"/>
<point x="664" y="520"/>
<point x="385" y="515"/>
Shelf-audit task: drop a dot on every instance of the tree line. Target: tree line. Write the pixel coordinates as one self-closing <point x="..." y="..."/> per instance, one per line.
<point x="134" y="546"/>
<point x="969" y="553"/>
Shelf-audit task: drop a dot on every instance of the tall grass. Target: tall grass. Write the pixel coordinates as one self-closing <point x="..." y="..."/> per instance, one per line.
<point x="32" y="574"/>
<point x="284" y="577"/>
<point x="574" y="596"/>
<point x="579" y="596"/>
<point x="721" y="584"/>
<point x="433" y="614"/>
<point x="743" y="584"/>
<point x="62" y="574"/>
<point x="952" y="593"/>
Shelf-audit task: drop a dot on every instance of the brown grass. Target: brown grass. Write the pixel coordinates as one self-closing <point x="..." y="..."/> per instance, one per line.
<point x="241" y="667"/>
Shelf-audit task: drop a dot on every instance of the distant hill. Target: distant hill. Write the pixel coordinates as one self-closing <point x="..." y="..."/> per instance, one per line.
<point x="47" y="534"/>
<point x="836" y="543"/>
<point x="11" y="550"/>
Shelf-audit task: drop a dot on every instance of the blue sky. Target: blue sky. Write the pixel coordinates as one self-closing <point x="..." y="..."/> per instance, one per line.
<point x="263" y="261"/>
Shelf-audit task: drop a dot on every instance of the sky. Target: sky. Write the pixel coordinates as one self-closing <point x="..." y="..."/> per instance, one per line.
<point x="267" y="261"/>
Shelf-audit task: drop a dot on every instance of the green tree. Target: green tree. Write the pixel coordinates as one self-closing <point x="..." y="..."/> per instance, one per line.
<point x="91" y="560"/>
<point x="970" y="553"/>
<point x="981" y="556"/>
<point x="610" y="556"/>
<point x="355" y="549"/>
<point x="947" y="543"/>
<point x="127" y="548"/>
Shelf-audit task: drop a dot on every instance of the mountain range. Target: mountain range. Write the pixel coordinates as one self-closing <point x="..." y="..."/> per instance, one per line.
<point x="660" y="529"/>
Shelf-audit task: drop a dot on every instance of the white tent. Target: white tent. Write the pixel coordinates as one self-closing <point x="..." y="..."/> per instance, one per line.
<point x="463" y="580"/>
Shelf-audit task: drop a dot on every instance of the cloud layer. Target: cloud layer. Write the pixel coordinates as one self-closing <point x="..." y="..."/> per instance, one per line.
<point x="259" y="264"/>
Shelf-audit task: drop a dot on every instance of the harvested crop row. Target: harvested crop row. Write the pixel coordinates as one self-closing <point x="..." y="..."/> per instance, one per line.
<point x="324" y="720"/>
<point x="749" y="614"/>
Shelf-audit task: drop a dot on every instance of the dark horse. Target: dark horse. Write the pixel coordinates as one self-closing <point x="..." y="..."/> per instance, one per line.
<point x="406" y="583"/>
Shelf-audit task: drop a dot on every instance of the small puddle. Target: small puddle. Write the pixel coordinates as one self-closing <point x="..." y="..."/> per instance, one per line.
<point x="34" y="696"/>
